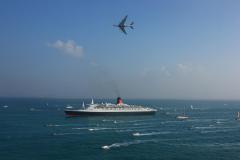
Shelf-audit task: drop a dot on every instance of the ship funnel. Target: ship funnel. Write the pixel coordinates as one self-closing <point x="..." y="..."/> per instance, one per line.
<point x="119" y="100"/>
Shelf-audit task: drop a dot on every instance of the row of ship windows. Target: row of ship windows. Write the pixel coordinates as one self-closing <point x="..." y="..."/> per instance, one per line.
<point x="121" y="108"/>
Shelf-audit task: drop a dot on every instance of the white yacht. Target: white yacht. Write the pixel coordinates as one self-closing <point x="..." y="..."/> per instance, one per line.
<point x="182" y="117"/>
<point x="111" y="109"/>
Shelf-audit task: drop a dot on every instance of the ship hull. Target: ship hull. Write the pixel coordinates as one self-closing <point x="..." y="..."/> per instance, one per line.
<point x="85" y="113"/>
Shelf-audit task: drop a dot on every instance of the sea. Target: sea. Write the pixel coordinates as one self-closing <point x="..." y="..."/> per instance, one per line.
<point x="37" y="129"/>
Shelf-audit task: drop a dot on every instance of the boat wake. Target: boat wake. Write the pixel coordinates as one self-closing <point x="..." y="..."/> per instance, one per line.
<point x="98" y="129"/>
<point x="62" y="134"/>
<point x="53" y="125"/>
<point x="134" y="129"/>
<point x="81" y="128"/>
<point x="117" y="129"/>
<point x="125" y="144"/>
<point x="151" y="133"/>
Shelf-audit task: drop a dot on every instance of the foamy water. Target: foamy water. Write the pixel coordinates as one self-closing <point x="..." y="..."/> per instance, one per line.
<point x="125" y="144"/>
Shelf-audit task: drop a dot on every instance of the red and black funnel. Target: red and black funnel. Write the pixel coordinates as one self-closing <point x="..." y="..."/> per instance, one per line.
<point x="119" y="100"/>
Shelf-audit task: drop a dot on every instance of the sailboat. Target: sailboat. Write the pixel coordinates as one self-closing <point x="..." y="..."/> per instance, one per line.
<point x="191" y="107"/>
<point x="238" y="116"/>
<point x="182" y="117"/>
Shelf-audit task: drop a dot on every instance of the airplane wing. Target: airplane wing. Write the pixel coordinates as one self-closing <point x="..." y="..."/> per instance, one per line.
<point x="123" y="30"/>
<point x="123" y="21"/>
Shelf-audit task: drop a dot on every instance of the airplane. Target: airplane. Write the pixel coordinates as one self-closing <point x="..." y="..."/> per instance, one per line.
<point x="122" y="25"/>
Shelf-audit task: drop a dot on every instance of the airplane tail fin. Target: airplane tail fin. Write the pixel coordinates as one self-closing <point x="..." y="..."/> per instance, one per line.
<point x="131" y="25"/>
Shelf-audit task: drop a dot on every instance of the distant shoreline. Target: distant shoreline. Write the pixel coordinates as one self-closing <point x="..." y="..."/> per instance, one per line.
<point x="113" y="98"/>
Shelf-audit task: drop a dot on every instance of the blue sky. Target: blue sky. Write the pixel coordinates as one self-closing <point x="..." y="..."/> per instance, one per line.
<point x="69" y="49"/>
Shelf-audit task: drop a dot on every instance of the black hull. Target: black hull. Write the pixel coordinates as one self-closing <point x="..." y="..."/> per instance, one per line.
<point x="81" y="113"/>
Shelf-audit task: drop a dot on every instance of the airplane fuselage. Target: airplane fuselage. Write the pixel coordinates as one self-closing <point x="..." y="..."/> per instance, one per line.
<point x="122" y="26"/>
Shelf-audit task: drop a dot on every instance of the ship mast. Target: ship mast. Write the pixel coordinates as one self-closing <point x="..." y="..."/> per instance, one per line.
<point x="92" y="101"/>
<point x="83" y="105"/>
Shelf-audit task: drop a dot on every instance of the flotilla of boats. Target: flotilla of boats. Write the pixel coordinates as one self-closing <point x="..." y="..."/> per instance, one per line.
<point x="119" y="108"/>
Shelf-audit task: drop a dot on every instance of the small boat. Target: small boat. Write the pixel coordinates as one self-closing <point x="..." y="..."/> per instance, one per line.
<point x="191" y="107"/>
<point x="5" y="106"/>
<point x="182" y="117"/>
<point x="238" y="116"/>
<point x="105" y="147"/>
<point x="136" y="134"/>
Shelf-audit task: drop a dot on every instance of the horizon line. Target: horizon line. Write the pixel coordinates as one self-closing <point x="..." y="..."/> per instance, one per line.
<point x="194" y="99"/>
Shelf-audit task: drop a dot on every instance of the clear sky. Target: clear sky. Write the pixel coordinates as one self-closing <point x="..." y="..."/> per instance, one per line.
<point x="184" y="49"/>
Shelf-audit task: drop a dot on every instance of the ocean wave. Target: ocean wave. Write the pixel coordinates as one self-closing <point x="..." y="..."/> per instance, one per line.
<point x="218" y="121"/>
<point x="81" y="128"/>
<point x="129" y="121"/>
<point x="118" y="129"/>
<point x="142" y="124"/>
<point x="122" y="129"/>
<point x="206" y="127"/>
<point x="216" y="131"/>
<point x="107" y="120"/>
<point x="211" y="127"/>
<point x="145" y="120"/>
<point x="222" y="145"/>
<point x="63" y="125"/>
<point x="62" y="134"/>
<point x="113" y="121"/>
<point x="35" y="110"/>
<point x="54" y="125"/>
<point x="125" y="144"/>
<point x="132" y="129"/>
<point x="167" y="122"/>
<point x="110" y="120"/>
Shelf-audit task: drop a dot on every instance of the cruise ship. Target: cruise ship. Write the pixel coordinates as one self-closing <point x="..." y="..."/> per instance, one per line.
<point x="110" y="109"/>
